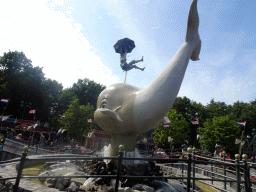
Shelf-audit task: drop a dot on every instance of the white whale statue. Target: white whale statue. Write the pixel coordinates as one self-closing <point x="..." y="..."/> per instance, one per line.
<point x="125" y="111"/>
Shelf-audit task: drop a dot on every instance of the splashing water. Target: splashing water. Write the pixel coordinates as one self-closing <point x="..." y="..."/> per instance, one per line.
<point x="66" y="164"/>
<point x="106" y="153"/>
<point x="131" y="154"/>
<point x="67" y="168"/>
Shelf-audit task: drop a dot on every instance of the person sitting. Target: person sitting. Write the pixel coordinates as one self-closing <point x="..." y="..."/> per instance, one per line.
<point x="128" y="66"/>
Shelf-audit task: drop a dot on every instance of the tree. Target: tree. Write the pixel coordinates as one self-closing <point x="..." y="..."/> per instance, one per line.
<point x="53" y="88"/>
<point x="20" y="81"/>
<point x="87" y="91"/>
<point x="64" y="100"/>
<point x="217" y="109"/>
<point x="178" y="130"/>
<point x="251" y="115"/>
<point x="220" y="130"/>
<point x="241" y="111"/>
<point x="191" y="111"/>
<point x="75" y="121"/>
<point x="54" y="91"/>
<point x="56" y="123"/>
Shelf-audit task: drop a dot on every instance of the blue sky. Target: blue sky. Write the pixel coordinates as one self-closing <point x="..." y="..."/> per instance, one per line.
<point x="74" y="39"/>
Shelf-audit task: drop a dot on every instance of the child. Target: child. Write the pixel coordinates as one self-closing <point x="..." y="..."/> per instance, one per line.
<point x="128" y="66"/>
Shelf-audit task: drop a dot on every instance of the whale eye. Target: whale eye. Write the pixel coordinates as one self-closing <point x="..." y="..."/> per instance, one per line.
<point x="103" y="105"/>
<point x="104" y="102"/>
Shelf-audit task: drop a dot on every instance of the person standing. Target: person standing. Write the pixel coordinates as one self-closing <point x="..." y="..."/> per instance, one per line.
<point x="217" y="150"/>
<point x="155" y="150"/>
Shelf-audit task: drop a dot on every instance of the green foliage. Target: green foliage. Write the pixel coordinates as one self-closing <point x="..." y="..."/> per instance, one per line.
<point x="20" y="81"/>
<point x="87" y="91"/>
<point x="221" y="130"/>
<point x="56" y="123"/>
<point x="75" y="121"/>
<point x="241" y="111"/>
<point x="1" y="136"/>
<point x="191" y="111"/>
<point x="160" y="136"/>
<point x="178" y="130"/>
<point x="217" y="109"/>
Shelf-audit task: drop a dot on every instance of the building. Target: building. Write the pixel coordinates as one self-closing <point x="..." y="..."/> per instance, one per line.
<point x="96" y="140"/>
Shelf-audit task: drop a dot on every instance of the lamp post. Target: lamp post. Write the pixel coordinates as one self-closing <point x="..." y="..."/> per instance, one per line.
<point x="146" y="141"/>
<point x="248" y="138"/>
<point x="253" y="136"/>
<point x="3" y="114"/>
<point x="170" y="139"/>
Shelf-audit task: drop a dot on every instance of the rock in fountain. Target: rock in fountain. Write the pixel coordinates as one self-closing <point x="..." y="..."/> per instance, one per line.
<point x="125" y="111"/>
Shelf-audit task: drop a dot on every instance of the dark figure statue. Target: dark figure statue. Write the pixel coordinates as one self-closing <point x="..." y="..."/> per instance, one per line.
<point x="128" y="66"/>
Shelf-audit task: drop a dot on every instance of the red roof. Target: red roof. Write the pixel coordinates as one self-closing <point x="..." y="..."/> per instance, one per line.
<point x="25" y="122"/>
<point x="100" y="132"/>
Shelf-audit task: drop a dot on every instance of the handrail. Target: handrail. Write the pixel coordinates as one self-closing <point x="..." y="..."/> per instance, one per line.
<point x="190" y="162"/>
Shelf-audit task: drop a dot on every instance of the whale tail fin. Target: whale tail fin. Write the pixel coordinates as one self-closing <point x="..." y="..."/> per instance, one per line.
<point x="192" y="30"/>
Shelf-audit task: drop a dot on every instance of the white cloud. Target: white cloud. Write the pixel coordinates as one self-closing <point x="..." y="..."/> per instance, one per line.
<point x="220" y="57"/>
<point x="203" y="83"/>
<point x="52" y="40"/>
<point x="233" y="89"/>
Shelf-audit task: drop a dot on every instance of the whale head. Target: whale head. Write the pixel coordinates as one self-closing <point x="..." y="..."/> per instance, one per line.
<point x="115" y="109"/>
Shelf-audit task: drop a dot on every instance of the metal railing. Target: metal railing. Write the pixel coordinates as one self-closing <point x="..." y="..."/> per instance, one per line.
<point x="241" y="181"/>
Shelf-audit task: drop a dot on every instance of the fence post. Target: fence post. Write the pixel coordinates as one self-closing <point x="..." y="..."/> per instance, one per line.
<point x="182" y="168"/>
<point x="194" y="174"/>
<point x="212" y="174"/>
<point x="72" y="146"/>
<point x="36" y="149"/>
<point x="189" y="150"/>
<point x="246" y="179"/>
<point x="22" y="161"/>
<point x="224" y="170"/>
<point x="237" y="157"/>
<point x="120" y="158"/>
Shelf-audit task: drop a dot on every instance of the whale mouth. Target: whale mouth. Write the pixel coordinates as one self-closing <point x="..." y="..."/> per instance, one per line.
<point x="111" y="113"/>
<point x="109" y="120"/>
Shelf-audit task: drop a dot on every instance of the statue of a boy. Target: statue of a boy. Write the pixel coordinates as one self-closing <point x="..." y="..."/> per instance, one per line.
<point x="128" y="66"/>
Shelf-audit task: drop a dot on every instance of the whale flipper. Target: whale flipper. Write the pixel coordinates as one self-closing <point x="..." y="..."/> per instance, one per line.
<point x="196" y="51"/>
<point x="166" y="120"/>
<point x="192" y="30"/>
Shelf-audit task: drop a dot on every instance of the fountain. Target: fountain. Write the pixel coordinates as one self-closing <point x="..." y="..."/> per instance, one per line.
<point x="125" y="111"/>
<point x="94" y="167"/>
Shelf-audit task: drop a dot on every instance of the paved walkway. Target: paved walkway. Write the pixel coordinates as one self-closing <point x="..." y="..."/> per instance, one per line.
<point x="178" y="172"/>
